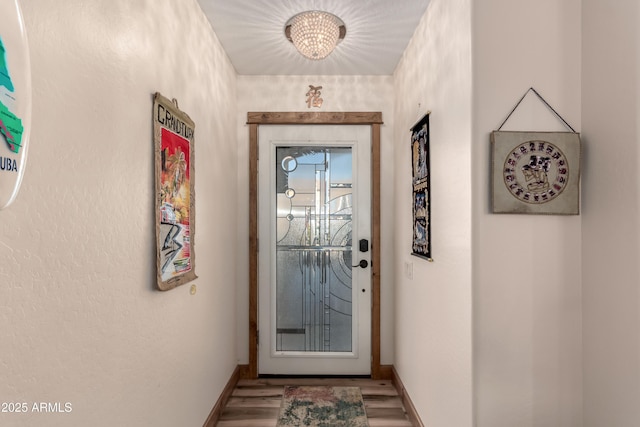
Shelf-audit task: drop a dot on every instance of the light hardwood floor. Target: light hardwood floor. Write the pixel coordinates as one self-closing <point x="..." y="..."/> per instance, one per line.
<point x="256" y="403"/>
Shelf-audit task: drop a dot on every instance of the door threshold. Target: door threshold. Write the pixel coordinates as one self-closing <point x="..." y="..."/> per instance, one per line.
<point x="313" y="376"/>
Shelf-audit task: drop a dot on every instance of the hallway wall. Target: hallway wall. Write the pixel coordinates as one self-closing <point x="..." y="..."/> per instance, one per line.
<point x="611" y="214"/>
<point x="433" y="307"/>
<point x="80" y="319"/>
<point x="527" y="318"/>
<point x="339" y="93"/>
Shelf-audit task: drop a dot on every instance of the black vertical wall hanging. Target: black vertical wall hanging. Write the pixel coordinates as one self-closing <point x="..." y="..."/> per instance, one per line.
<point x="421" y="183"/>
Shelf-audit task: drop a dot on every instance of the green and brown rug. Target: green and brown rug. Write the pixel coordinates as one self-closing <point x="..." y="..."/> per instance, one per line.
<point x="322" y="406"/>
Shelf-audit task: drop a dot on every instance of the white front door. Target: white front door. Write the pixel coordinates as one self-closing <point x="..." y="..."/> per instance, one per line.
<point x="314" y="280"/>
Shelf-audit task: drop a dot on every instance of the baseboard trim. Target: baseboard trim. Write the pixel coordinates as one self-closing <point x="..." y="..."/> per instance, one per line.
<point x="406" y="400"/>
<point x="215" y="413"/>
<point x="245" y="372"/>
<point x="386" y="372"/>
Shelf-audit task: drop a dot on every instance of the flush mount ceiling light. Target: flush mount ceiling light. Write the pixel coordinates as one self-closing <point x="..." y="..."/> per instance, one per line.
<point x="315" y="33"/>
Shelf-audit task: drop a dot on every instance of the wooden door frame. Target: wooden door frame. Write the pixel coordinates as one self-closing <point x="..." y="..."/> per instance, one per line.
<point x="256" y="119"/>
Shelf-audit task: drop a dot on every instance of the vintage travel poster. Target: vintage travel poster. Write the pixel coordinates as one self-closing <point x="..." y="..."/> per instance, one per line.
<point x="175" y="198"/>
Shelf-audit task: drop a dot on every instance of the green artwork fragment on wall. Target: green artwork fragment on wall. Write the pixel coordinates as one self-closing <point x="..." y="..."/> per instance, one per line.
<point x="10" y="124"/>
<point x="5" y="78"/>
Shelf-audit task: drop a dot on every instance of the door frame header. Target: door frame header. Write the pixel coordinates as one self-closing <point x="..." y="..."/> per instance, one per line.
<point x="309" y="118"/>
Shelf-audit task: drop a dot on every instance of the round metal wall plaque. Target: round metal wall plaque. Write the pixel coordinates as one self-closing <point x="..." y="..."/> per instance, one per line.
<point x="536" y="172"/>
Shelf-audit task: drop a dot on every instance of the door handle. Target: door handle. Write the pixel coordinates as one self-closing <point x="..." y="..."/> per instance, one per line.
<point x="363" y="264"/>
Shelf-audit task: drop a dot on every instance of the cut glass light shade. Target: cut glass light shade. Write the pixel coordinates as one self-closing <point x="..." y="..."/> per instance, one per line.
<point x="315" y="33"/>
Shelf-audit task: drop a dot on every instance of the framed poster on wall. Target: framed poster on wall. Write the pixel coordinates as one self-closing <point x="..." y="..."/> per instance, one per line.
<point x="420" y="166"/>
<point x="535" y="172"/>
<point x="175" y="196"/>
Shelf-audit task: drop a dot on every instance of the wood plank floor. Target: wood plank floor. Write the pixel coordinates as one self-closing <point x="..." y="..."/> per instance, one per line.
<point x="256" y="403"/>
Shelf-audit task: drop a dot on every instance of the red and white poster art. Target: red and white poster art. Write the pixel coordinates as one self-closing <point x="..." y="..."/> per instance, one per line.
<point x="175" y="197"/>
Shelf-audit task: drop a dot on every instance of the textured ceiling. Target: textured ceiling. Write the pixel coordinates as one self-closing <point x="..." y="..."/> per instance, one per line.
<point x="252" y="34"/>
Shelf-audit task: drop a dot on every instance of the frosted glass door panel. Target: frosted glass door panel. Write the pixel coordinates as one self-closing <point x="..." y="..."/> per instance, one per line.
<point x="313" y="251"/>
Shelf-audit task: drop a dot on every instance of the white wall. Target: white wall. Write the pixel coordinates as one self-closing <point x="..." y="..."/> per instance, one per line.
<point x="611" y="221"/>
<point x="340" y="93"/>
<point x="80" y="320"/>
<point x="433" y="310"/>
<point x="527" y="268"/>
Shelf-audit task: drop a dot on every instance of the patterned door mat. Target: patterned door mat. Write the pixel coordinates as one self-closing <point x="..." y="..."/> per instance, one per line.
<point x="322" y="406"/>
